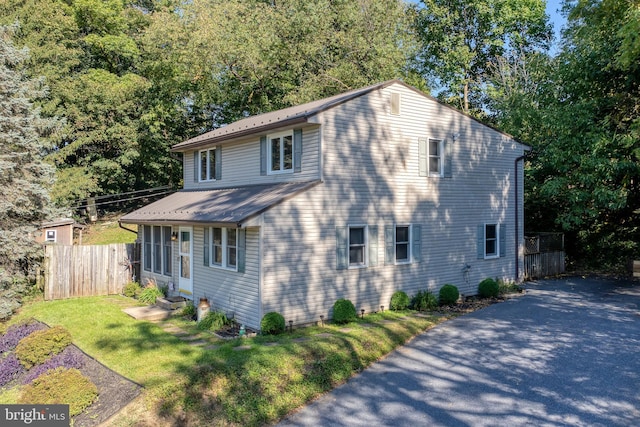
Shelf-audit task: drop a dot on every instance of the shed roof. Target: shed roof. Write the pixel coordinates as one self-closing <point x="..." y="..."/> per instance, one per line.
<point x="224" y="206"/>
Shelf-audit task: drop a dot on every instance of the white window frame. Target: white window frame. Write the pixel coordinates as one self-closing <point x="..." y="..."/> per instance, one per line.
<point x="439" y="156"/>
<point x="226" y="247"/>
<point x="496" y="238"/>
<point x="210" y="172"/>
<point x="51" y="236"/>
<point x="161" y="251"/>
<point x="280" y="136"/>
<point x="364" y="245"/>
<point x="408" y="243"/>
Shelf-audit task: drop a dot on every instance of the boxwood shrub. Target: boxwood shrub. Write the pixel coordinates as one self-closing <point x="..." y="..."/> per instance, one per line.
<point x="488" y="288"/>
<point x="448" y="294"/>
<point x="61" y="385"/>
<point x="41" y="345"/>
<point x="344" y="311"/>
<point x="272" y="323"/>
<point x="399" y="301"/>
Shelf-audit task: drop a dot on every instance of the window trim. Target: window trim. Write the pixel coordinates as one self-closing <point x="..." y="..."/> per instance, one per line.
<point x="211" y="166"/>
<point x="224" y="248"/>
<point x="440" y="157"/>
<point x="161" y="251"/>
<point x="365" y="246"/>
<point x="280" y="136"/>
<point x="409" y="243"/>
<point x="496" y="239"/>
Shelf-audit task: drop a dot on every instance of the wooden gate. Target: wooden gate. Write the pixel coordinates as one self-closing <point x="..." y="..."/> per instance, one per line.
<point x="544" y="255"/>
<point x="75" y="271"/>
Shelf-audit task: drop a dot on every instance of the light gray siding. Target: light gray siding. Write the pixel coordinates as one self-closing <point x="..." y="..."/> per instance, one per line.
<point x="241" y="163"/>
<point x="371" y="176"/>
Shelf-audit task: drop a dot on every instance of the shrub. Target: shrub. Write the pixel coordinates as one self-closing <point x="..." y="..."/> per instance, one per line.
<point x="15" y="333"/>
<point x="424" y="300"/>
<point x="189" y="310"/>
<point x="214" y="320"/>
<point x="149" y="294"/>
<point x="131" y="289"/>
<point x="448" y="295"/>
<point x="61" y="385"/>
<point x="70" y="357"/>
<point x="10" y="367"/>
<point x="40" y="345"/>
<point x="272" y="323"/>
<point x="508" y="287"/>
<point x="488" y="288"/>
<point x="344" y="311"/>
<point x="399" y="301"/>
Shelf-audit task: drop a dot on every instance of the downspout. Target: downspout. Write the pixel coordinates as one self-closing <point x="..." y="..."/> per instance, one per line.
<point x="517" y="231"/>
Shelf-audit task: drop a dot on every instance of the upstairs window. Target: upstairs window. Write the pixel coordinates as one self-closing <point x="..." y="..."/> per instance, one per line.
<point x="208" y="164"/>
<point x="435" y="157"/>
<point x="280" y="153"/>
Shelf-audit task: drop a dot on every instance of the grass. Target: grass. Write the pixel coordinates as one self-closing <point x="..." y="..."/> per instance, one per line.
<point x="222" y="386"/>
<point x="106" y="232"/>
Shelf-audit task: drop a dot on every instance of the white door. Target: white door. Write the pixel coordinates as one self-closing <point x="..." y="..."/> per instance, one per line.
<point x="185" y="251"/>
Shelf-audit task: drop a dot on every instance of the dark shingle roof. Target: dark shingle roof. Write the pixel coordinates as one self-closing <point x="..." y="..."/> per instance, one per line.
<point x="225" y="206"/>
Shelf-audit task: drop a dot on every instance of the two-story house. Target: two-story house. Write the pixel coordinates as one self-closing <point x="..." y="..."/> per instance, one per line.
<point x="354" y="196"/>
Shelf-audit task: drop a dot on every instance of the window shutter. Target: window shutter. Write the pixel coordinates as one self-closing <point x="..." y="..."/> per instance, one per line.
<point x="422" y="157"/>
<point x="416" y="243"/>
<point x="388" y="244"/>
<point x="446" y="152"/>
<point x="218" y="162"/>
<point x="342" y="249"/>
<point x="297" y="150"/>
<point x="480" y="243"/>
<point x="263" y="155"/>
<point x="205" y="248"/>
<point x="503" y="239"/>
<point x="373" y="246"/>
<point x="242" y="250"/>
<point x="196" y="162"/>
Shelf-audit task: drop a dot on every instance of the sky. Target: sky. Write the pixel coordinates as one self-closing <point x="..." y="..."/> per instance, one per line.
<point x="556" y="18"/>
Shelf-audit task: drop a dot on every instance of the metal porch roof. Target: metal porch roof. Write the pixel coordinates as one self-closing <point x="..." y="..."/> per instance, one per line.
<point x="225" y="206"/>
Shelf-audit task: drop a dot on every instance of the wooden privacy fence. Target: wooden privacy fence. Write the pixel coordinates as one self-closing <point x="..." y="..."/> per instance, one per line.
<point x="75" y="271"/>
<point x="543" y="255"/>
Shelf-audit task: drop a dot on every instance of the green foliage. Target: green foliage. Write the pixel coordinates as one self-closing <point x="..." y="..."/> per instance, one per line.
<point x="61" y="385"/>
<point x="189" y="310"/>
<point x="448" y="294"/>
<point x="213" y="321"/>
<point x="272" y="323"/>
<point x="37" y="347"/>
<point x="508" y="287"/>
<point x="423" y="301"/>
<point x="150" y="293"/>
<point x="344" y="311"/>
<point x="488" y="288"/>
<point x="399" y="301"/>
<point x="131" y="289"/>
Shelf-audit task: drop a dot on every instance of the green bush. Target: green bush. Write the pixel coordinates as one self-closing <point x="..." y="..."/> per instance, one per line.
<point x="424" y="300"/>
<point x="448" y="295"/>
<point x="508" y="287"/>
<point x="131" y="289"/>
<point x="40" y="345"/>
<point x="214" y="320"/>
<point x="61" y="385"/>
<point x="399" y="301"/>
<point x="488" y="288"/>
<point x="344" y="311"/>
<point x="149" y="294"/>
<point x="272" y="323"/>
<point x="189" y="310"/>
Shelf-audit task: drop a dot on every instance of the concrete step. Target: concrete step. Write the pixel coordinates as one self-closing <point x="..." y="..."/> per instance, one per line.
<point x="150" y="312"/>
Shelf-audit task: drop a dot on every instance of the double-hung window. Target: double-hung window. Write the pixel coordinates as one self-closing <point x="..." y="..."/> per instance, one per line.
<point x="402" y="244"/>
<point x="208" y="165"/>
<point x="491" y="240"/>
<point x="223" y="247"/>
<point x="280" y="149"/>
<point x="435" y="156"/>
<point x="157" y="247"/>
<point x="357" y="246"/>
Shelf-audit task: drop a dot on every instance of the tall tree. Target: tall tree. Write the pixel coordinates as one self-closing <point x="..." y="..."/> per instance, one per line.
<point x="25" y="178"/>
<point x="460" y="39"/>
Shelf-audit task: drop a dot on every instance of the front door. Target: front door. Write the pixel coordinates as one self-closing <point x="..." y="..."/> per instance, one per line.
<point x="185" y="251"/>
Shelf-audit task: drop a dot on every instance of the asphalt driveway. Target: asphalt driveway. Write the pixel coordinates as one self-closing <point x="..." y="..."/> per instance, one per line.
<point x="566" y="353"/>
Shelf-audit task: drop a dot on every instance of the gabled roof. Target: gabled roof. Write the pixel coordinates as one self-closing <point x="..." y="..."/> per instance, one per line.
<point x="274" y="119"/>
<point x="225" y="206"/>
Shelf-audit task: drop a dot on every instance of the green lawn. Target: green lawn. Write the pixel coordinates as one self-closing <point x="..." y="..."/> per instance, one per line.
<point x="225" y="385"/>
<point x="106" y="232"/>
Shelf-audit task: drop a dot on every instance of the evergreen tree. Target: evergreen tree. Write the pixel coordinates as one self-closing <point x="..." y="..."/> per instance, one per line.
<point x="25" y="178"/>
